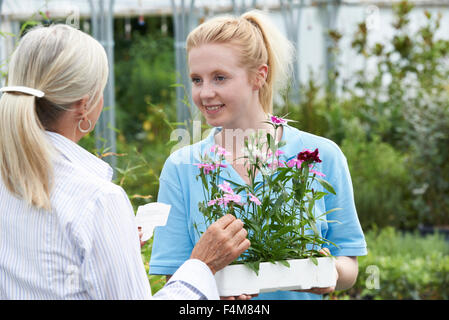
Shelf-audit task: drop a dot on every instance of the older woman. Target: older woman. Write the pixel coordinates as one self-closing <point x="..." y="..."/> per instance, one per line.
<point x="66" y="231"/>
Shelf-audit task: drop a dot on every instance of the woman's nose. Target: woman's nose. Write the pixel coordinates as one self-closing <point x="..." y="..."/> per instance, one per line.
<point x="207" y="92"/>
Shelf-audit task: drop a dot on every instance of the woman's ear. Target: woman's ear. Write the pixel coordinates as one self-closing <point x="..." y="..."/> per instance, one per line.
<point x="261" y="77"/>
<point x="80" y="107"/>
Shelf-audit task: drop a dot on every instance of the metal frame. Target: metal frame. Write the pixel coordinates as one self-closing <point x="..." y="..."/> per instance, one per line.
<point x="182" y="20"/>
<point x="292" y="13"/>
<point x="102" y="19"/>
<point x="330" y="10"/>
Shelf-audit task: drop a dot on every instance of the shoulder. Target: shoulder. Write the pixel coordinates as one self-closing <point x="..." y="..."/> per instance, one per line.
<point x="297" y="139"/>
<point x="84" y="203"/>
<point x="75" y="187"/>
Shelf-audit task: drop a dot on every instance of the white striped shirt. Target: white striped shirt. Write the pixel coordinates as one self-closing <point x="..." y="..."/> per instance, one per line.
<point x="87" y="247"/>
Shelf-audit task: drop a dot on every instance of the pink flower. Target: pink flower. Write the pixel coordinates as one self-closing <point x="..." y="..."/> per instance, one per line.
<point x="219" y="150"/>
<point x="223" y="152"/>
<point x="277" y="120"/>
<point x="275" y="164"/>
<point x="228" y="197"/>
<point x="226" y="187"/>
<point x="207" y="167"/>
<point x="294" y="162"/>
<point x="276" y="154"/>
<point x="320" y="174"/>
<point x="254" y="199"/>
<point x="214" y="148"/>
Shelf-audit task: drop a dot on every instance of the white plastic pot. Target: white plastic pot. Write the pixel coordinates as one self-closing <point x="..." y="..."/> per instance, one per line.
<point x="302" y="274"/>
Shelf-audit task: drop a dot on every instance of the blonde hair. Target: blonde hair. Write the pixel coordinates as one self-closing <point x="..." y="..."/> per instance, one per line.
<point x="258" y="41"/>
<point x="66" y="64"/>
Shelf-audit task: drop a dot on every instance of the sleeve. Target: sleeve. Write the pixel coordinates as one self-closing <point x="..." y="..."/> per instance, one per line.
<point x="112" y="266"/>
<point x="172" y="244"/>
<point x="346" y="232"/>
<point x="192" y="281"/>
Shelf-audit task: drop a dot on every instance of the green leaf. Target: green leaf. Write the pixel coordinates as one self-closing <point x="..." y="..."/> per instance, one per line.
<point x="314" y="260"/>
<point x="6" y="34"/>
<point x="253" y="266"/>
<point x="329" y="211"/>
<point x="271" y="143"/>
<point x="283" y="231"/>
<point x="285" y="263"/>
<point x="326" y="185"/>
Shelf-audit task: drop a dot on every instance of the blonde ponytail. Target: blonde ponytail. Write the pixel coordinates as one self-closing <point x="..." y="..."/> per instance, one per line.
<point x="258" y="41"/>
<point x="64" y="63"/>
<point x="25" y="156"/>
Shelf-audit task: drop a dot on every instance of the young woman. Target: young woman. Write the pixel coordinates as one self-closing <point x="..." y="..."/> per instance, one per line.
<point x="236" y="65"/>
<point x="66" y="231"/>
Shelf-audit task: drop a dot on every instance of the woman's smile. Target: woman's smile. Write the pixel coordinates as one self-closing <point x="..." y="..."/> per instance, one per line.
<point x="213" y="108"/>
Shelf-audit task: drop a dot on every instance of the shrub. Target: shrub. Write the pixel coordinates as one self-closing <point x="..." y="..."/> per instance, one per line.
<point x="403" y="103"/>
<point x="380" y="180"/>
<point x="410" y="267"/>
<point x="143" y="77"/>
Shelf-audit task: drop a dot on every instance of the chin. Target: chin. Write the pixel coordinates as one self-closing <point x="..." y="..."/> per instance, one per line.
<point x="213" y="122"/>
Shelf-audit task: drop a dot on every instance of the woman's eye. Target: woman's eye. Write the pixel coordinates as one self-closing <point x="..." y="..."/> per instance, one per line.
<point x="220" y="78"/>
<point x="196" y="80"/>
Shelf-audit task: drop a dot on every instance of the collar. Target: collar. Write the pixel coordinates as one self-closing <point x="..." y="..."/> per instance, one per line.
<point x="80" y="157"/>
<point x="210" y="139"/>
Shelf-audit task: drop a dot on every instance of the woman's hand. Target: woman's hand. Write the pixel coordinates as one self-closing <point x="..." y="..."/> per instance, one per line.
<point x="142" y="243"/>
<point x="222" y="243"/>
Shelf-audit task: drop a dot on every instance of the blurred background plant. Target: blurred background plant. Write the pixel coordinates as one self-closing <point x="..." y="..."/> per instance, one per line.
<point x="391" y="122"/>
<point x="401" y="266"/>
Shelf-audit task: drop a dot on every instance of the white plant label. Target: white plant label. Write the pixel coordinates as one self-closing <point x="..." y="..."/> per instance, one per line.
<point x="150" y="216"/>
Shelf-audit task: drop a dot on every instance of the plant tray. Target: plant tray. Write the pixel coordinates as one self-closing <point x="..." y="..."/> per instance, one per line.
<point x="302" y="274"/>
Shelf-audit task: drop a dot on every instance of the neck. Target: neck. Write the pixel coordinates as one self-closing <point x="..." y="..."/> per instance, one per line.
<point x="233" y="138"/>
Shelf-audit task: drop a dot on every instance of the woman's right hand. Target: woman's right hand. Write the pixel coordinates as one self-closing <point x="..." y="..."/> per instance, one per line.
<point x="222" y="243"/>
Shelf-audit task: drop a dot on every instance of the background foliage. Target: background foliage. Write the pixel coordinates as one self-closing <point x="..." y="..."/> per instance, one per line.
<point x="391" y="122"/>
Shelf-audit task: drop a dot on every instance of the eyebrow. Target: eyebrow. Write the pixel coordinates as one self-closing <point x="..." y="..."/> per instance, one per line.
<point x="213" y="72"/>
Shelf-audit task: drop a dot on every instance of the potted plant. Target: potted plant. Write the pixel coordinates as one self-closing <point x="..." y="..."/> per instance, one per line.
<point x="278" y="213"/>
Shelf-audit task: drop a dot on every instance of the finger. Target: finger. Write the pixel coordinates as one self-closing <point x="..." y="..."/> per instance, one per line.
<point x="239" y="237"/>
<point x="244" y="245"/>
<point x="234" y="227"/>
<point x="325" y="251"/>
<point x="224" y="221"/>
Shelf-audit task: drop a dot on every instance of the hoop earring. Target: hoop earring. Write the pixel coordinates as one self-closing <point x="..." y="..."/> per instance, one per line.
<point x="85" y="130"/>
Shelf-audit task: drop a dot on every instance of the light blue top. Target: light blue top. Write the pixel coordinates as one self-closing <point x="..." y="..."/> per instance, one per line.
<point x="179" y="187"/>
